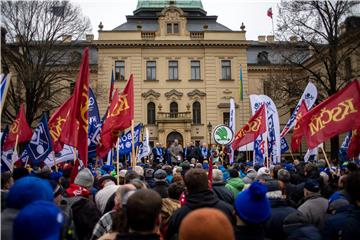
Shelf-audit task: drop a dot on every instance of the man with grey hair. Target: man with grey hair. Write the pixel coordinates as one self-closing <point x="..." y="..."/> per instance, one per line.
<point x="218" y="187"/>
<point x="176" y="152"/>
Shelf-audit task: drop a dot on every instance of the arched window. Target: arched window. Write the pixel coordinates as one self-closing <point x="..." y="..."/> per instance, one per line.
<point x="196" y="107"/>
<point x="173" y="109"/>
<point x="151" y="113"/>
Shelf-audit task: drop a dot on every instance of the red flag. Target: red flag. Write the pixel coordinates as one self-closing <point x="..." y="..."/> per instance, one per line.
<point x="75" y="128"/>
<point x="297" y="132"/>
<point x="354" y="145"/>
<point x="56" y="123"/>
<point x="119" y="117"/>
<point x="269" y="12"/>
<point x="19" y="128"/>
<point x="255" y="127"/>
<point x="338" y="113"/>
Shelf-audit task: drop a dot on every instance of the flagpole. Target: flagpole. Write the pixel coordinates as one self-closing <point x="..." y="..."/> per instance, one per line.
<point x="272" y="20"/>
<point x="133" y="160"/>
<point x="291" y="154"/>
<point x="117" y="161"/>
<point x="16" y="143"/>
<point x="326" y="159"/>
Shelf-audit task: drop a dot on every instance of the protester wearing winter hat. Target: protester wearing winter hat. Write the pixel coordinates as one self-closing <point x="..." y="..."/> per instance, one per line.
<point x="149" y="177"/>
<point x="252" y="211"/>
<point x="39" y="220"/>
<point x="109" y="187"/>
<point x="235" y="184"/>
<point x="161" y="186"/>
<point x="199" y="196"/>
<point x="85" y="213"/>
<point x="263" y="174"/>
<point x="24" y="191"/>
<point x="315" y="206"/>
<point x="218" y="187"/>
<point x="250" y="176"/>
<point x="206" y="223"/>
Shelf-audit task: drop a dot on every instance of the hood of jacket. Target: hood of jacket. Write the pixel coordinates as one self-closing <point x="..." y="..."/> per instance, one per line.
<point x="201" y="199"/>
<point x="236" y="183"/>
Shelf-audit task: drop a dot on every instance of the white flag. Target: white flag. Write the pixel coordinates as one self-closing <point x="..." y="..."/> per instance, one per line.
<point x="66" y="154"/>
<point x="232" y="126"/>
<point x="144" y="148"/>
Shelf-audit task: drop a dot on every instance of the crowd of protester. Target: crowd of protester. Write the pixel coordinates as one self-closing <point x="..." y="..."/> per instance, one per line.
<point x="173" y="198"/>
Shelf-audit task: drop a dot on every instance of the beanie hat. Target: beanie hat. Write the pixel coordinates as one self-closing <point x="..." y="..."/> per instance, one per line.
<point x="221" y="228"/>
<point x="312" y="185"/>
<point x="251" y="205"/>
<point x="217" y="176"/>
<point x="38" y="220"/>
<point x="263" y="171"/>
<point x="139" y="170"/>
<point x="160" y="174"/>
<point x="27" y="190"/>
<point x="122" y="173"/>
<point x="84" y="178"/>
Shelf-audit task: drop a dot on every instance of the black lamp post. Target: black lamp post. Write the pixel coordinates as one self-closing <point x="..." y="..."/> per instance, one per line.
<point x="209" y="127"/>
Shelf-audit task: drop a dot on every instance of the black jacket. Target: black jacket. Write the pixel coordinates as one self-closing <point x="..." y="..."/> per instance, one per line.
<point x="223" y="193"/>
<point x="136" y="236"/>
<point x="279" y="211"/>
<point x="249" y="232"/>
<point x="345" y="224"/>
<point x="162" y="188"/>
<point x="195" y="201"/>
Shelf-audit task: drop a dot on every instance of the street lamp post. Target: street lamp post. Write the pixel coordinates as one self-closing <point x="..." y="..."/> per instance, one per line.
<point x="209" y="127"/>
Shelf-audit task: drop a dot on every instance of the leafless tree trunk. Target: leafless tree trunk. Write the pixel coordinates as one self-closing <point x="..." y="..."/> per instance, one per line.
<point x="35" y="48"/>
<point x="323" y="49"/>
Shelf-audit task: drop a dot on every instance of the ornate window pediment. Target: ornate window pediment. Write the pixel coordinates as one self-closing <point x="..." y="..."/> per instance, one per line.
<point x="174" y="93"/>
<point x="172" y="21"/>
<point x="196" y="92"/>
<point x="150" y="93"/>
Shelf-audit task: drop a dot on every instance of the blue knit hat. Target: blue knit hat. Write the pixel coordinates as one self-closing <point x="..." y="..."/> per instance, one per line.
<point x="252" y="206"/>
<point x="27" y="190"/>
<point x="40" y="220"/>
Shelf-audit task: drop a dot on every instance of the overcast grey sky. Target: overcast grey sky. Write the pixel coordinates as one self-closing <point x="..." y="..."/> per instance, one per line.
<point x="231" y="13"/>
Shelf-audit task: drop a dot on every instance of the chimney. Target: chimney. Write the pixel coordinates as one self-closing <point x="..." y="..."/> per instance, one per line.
<point x="67" y="38"/>
<point x="261" y="38"/>
<point x="293" y="39"/>
<point x="270" y="38"/>
<point x="89" y="37"/>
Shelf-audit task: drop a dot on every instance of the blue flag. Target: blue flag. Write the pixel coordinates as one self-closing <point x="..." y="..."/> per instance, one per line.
<point x="344" y="147"/>
<point x="5" y="156"/>
<point x="126" y="140"/>
<point x="284" y="145"/>
<point x="40" y="144"/>
<point x="94" y="125"/>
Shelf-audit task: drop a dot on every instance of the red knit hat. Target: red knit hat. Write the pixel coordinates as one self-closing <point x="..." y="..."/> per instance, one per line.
<point x="214" y="225"/>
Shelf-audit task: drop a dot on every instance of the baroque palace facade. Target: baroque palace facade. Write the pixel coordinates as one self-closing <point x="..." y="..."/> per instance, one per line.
<point x="186" y="68"/>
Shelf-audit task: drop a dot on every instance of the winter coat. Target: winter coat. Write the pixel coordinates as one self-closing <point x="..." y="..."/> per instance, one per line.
<point x="223" y="193"/>
<point x="7" y="219"/>
<point x="194" y="201"/>
<point x="235" y="185"/>
<point x="137" y="236"/>
<point x="249" y="232"/>
<point x="345" y="224"/>
<point x="162" y="188"/>
<point x="279" y="211"/>
<point x="314" y="208"/>
<point x="85" y="216"/>
<point x="150" y="182"/>
<point x="296" y="228"/>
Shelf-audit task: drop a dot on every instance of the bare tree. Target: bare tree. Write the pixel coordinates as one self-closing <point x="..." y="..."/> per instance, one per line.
<point x="36" y="48"/>
<point x="325" y="47"/>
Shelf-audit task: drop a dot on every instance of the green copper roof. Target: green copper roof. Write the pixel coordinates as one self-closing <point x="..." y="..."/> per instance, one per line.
<point x="166" y="3"/>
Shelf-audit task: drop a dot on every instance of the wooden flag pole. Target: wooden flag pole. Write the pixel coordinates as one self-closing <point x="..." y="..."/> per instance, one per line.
<point x="291" y="154"/>
<point x="133" y="160"/>
<point x="16" y="144"/>
<point x="326" y="159"/>
<point x="267" y="151"/>
<point x="117" y="161"/>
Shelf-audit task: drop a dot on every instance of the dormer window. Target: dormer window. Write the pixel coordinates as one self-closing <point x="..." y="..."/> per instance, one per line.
<point x="172" y="28"/>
